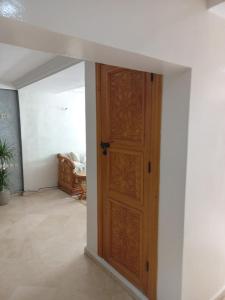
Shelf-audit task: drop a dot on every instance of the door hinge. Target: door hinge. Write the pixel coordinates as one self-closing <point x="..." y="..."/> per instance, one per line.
<point x="152" y="76"/>
<point x="149" y="167"/>
<point x="147" y="266"/>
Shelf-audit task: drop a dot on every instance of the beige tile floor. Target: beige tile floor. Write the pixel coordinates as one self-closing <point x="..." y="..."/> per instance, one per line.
<point x="42" y="240"/>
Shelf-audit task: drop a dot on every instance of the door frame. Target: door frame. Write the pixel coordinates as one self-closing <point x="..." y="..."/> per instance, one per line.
<point x="156" y="108"/>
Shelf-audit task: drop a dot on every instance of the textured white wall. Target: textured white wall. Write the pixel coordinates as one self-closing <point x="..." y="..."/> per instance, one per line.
<point x="50" y="123"/>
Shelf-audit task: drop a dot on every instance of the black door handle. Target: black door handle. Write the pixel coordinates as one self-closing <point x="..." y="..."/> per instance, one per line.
<point x="104" y="146"/>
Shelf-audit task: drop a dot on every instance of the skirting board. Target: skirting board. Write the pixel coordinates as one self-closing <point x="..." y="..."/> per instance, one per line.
<point x="131" y="289"/>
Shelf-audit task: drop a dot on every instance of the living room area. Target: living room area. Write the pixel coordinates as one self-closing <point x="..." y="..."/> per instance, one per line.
<point x="52" y="118"/>
<point x="43" y="127"/>
<point x="43" y="182"/>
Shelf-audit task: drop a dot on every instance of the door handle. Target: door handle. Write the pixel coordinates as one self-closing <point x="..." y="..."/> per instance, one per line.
<point x="104" y="146"/>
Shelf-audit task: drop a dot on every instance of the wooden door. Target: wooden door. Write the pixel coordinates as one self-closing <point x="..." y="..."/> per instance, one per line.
<point x="128" y="112"/>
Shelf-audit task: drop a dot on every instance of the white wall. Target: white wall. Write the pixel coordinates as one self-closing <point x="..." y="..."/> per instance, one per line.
<point x="91" y="134"/>
<point x="51" y="123"/>
<point x="182" y="32"/>
<point x="173" y="159"/>
<point x="176" y="95"/>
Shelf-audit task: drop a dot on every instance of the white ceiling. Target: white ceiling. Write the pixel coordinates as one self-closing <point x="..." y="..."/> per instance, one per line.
<point x="219" y="9"/>
<point x="211" y="3"/>
<point x="69" y="79"/>
<point x="15" y="62"/>
<point x="20" y="67"/>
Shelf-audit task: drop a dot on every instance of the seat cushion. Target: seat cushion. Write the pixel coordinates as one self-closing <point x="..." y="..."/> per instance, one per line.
<point x="80" y="168"/>
<point x="74" y="156"/>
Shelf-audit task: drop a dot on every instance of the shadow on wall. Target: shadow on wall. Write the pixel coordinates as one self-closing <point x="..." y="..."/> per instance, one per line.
<point x="45" y="168"/>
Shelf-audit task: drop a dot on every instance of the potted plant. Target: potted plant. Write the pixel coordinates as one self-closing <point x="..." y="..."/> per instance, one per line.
<point x="6" y="157"/>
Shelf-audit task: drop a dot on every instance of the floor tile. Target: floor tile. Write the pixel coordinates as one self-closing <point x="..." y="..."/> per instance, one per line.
<point x="42" y="240"/>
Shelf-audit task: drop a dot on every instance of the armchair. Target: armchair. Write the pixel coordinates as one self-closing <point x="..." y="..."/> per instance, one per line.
<point x="68" y="179"/>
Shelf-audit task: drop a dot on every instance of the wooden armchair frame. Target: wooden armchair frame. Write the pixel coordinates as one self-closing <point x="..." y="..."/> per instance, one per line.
<point x="68" y="180"/>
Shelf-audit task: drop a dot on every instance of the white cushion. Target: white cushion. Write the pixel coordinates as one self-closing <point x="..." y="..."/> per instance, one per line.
<point x="80" y="168"/>
<point x="74" y="156"/>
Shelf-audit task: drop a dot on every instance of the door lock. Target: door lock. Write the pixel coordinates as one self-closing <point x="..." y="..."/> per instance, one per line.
<point x="104" y="146"/>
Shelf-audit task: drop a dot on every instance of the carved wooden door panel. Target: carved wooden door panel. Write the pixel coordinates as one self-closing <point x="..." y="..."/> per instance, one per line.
<point x="125" y="162"/>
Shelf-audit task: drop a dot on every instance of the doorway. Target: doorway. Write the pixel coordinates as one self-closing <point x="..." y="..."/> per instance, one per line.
<point x="129" y="120"/>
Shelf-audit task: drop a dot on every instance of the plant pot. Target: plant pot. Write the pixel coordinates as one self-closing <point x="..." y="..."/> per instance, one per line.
<point x="4" y="197"/>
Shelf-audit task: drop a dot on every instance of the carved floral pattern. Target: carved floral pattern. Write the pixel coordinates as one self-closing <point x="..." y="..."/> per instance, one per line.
<point x="125" y="238"/>
<point x="126" y="173"/>
<point x="127" y="106"/>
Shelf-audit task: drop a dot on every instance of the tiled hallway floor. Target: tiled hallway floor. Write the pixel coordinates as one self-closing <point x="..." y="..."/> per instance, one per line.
<point x="42" y="240"/>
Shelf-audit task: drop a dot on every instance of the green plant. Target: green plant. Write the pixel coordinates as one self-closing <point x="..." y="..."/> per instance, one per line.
<point x="6" y="157"/>
<point x="4" y="182"/>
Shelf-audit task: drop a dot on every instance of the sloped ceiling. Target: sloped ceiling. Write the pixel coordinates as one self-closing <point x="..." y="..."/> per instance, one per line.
<point x="20" y="67"/>
<point x="16" y="62"/>
<point x="69" y="79"/>
<point x="212" y="3"/>
<point x="217" y="7"/>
